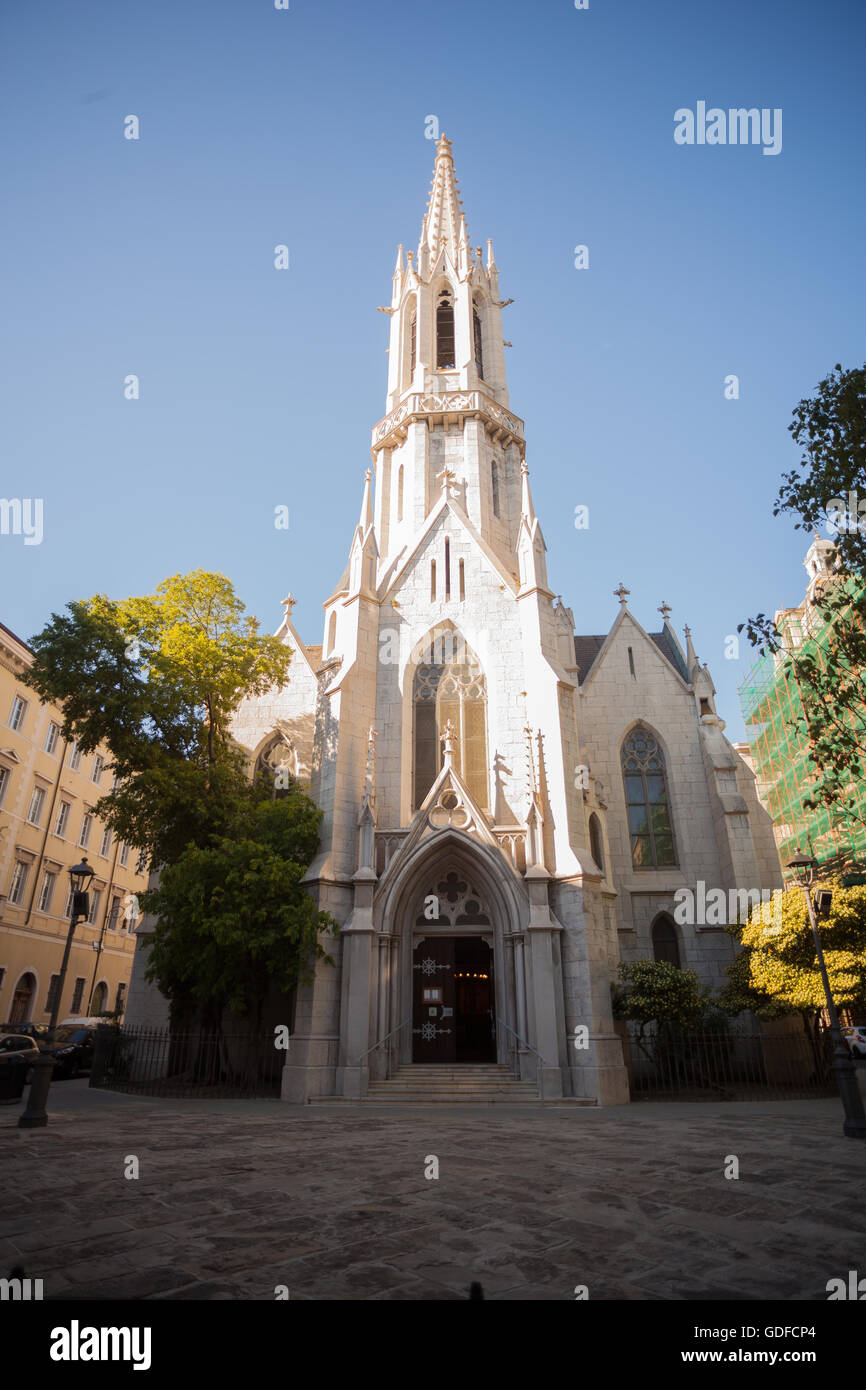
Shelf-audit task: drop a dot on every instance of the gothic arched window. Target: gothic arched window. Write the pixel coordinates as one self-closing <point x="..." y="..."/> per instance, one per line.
<point x="332" y="634"/>
<point x="400" y="493"/>
<point x="413" y="342"/>
<point x="476" y="336"/>
<point x="596" y="846"/>
<point x="494" y="483"/>
<point x="649" y="819"/>
<point x="445" y="330"/>
<point x="666" y="944"/>
<point x="451" y="689"/>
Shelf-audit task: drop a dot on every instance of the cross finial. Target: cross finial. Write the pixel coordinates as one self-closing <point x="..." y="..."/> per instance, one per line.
<point x="288" y="603"/>
<point x="622" y="594"/>
<point x="665" y="610"/>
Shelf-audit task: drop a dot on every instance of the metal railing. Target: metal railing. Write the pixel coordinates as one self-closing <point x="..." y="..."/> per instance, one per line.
<point x="515" y="1048"/>
<point x="693" y="1064"/>
<point x="391" y="1049"/>
<point x="161" y="1062"/>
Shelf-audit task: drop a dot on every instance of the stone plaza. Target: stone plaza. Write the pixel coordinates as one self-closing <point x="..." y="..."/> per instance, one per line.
<point x="235" y="1199"/>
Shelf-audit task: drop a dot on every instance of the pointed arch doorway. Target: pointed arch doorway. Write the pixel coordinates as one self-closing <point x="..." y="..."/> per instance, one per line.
<point x="453" y="980"/>
<point x="453" y="1019"/>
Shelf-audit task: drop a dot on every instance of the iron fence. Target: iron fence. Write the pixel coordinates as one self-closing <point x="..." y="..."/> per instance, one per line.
<point x="692" y="1064"/>
<point x="161" y="1062"/>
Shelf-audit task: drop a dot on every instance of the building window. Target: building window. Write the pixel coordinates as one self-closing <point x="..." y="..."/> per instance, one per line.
<point x="20" y="874"/>
<point x="666" y="945"/>
<point x="120" y="997"/>
<point x="51" y="998"/>
<point x="447" y="569"/>
<point x="141" y="866"/>
<point x="67" y="911"/>
<point x="649" y="820"/>
<point x="62" y="820"/>
<point x="100" y="999"/>
<point x="124" y="855"/>
<point x="476" y="336"/>
<point x="105" y="847"/>
<point x="494" y="483"/>
<point x="413" y="343"/>
<point x="98" y="765"/>
<point x="432" y="581"/>
<point x="456" y="691"/>
<point x="95" y="896"/>
<point x="37" y="801"/>
<point x="444" y="331"/>
<point x="52" y="737"/>
<point x="332" y="634"/>
<point x="16" y="718"/>
<point x="5" y="778"/>
<point x="46" y="892"/>
<point x="631" y="662"/>
<point x="462" y="569"/>
<point x="86" y="827"/>
<point x="400" y="493"/>
<point x="596" y="846"/>
<point x="114" y="913"/>
<point x="77" y="995"/>
<point x="75" y="757"/>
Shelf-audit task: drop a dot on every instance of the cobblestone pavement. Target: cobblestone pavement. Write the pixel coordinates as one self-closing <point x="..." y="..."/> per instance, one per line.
<point x="235" y="1198"/>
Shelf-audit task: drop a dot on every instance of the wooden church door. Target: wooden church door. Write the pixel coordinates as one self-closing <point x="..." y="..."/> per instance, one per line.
<point x="434" y="1029"/>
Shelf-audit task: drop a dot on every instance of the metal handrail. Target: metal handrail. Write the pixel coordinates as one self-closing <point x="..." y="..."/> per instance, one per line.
<point x="529" y="1048"/>
<point x="384" y="1040"/>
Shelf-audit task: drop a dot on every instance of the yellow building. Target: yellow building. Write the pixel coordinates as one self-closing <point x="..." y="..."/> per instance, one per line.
<point x="48" y="792"/>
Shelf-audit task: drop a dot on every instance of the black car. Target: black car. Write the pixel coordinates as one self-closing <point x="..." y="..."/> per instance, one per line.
<point x="72" y="1050"/>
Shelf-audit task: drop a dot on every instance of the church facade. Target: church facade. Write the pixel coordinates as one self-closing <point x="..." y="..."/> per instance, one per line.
<point x="508" y="808"/>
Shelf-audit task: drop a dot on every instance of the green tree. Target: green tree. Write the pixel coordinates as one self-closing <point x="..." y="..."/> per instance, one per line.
<point x="826" y="663"/>
<point x="157" y="679"/>
<point x="781" y="957"/>
<point x="654" y="992"/>
<point x="234" y="917"/>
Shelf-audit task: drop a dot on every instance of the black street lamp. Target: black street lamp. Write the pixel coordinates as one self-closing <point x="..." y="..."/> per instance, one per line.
<point x="854" y="1125"/>
<point x="35" y="1116"/>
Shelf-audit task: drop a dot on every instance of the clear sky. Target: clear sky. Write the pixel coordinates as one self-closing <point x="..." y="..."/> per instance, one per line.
<point x="258" y="387"/>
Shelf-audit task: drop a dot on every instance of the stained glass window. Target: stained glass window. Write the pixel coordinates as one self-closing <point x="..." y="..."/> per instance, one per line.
<point x="649" y="820"/>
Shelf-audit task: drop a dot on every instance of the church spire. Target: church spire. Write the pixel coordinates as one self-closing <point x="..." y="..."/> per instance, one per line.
<point x="444" y="223"/>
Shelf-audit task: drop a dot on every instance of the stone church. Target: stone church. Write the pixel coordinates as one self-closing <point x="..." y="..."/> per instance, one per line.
<point x="509" y="808"/>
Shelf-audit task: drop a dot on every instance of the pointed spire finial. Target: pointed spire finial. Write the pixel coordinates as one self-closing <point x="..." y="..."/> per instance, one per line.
<point x="665" y="610"/>
<point x="622" y="594"/>
<point x="447" y="740"/>
<point x="366" y="518"/>
<point x="288" y="603"/>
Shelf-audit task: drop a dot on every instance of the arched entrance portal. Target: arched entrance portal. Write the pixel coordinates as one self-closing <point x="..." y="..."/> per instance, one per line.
<point x="22" y="999"/>
<point x="453" y="1016"/>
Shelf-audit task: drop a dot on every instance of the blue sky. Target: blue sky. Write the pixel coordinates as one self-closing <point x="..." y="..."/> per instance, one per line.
<point x="259" y="388"/>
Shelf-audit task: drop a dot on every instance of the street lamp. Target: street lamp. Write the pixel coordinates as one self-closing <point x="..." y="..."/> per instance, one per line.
<point x="854" y="1124"/>
<point x="35" y="1116"/>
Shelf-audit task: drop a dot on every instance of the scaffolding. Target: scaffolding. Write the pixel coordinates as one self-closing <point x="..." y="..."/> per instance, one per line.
<point x="779" y="743"/>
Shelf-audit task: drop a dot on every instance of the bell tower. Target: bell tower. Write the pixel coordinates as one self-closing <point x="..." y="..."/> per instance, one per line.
<point x="448" y="424"/>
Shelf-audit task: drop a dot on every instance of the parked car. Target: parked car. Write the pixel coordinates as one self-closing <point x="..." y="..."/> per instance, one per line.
<point x="17" y="1047"/>
<point x="856" y="1040"/>
<point x="37" y="1031"/>
<point x="72" y="1050"/>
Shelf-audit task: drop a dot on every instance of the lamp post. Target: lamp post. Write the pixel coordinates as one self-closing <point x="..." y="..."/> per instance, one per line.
<point x="854" y="1124"/>
<point x="35" y="1116"/>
